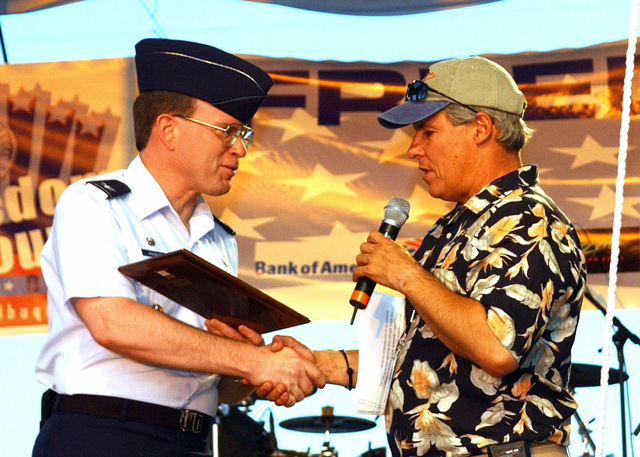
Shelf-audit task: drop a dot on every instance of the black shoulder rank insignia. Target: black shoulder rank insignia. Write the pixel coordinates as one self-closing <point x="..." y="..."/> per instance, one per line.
<point x="228" y="229"/>
<point x="112" y="187"/>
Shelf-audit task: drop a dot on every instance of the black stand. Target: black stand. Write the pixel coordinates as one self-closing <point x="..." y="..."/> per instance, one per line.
<point x="586" y="436"/>
<point x="621" y="335"/>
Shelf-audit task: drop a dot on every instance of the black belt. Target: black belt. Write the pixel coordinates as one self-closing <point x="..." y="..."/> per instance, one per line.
<point x="135" y="411"/>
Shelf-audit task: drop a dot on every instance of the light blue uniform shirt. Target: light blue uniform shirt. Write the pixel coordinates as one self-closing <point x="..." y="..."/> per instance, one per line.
<point x="90" y="238"/>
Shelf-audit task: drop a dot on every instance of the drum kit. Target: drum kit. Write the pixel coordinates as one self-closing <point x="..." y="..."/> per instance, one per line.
<point x="326" y="423"/>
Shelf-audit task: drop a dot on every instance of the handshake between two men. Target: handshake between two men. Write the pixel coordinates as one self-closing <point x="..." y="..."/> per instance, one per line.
<point x="292" y="371"/>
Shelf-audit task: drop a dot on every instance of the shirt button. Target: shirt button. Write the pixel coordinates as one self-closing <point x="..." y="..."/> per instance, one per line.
<point x="448" y="236"/>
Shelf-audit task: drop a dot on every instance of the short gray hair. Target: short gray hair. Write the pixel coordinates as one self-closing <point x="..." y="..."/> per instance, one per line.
<point x="513" y="133"/>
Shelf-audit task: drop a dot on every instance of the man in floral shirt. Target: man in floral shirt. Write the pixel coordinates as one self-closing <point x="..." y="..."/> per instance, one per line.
<point x="509" y="248"/>
<point x="494" y="291"/>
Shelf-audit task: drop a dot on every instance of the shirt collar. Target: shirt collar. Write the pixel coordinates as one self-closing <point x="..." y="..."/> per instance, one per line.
<point x="149" y="196"/>
<point x="501" y="187"/>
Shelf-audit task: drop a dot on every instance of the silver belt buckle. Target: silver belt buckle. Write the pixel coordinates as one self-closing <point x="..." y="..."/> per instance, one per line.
<point x="190" y="421"/>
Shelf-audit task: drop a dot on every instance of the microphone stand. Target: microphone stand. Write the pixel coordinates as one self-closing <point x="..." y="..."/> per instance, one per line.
<point x="620" y="337"/>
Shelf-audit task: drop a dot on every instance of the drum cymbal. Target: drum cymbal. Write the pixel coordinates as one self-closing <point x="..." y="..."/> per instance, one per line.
<point x="584" y="375"/>
<point x="320" y="424"/>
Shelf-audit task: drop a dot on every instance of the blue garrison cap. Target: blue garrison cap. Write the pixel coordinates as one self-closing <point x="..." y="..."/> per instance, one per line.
<point x="228" y="82"/>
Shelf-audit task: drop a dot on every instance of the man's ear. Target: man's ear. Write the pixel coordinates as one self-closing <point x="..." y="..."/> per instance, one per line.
<point x="483" y="128"/>
<point x="165" y="130"/>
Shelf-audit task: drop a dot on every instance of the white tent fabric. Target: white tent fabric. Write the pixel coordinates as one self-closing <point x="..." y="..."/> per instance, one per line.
<point x="110" y="28"/>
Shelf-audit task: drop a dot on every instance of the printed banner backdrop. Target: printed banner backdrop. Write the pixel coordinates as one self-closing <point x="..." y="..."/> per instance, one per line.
<point x="320" y="171"/>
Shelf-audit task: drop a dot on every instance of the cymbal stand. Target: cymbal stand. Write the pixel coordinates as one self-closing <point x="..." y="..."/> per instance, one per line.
<point x="586" y="435"/>
<point x="327" y="450"/>
<point x="620" y="337"/>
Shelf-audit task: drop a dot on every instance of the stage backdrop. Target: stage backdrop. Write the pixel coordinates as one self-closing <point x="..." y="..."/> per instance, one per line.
<point x="320" y="171"/>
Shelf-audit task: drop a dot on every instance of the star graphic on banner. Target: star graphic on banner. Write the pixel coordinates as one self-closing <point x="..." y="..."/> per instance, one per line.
<point x="8" y="286"/>
<point x="395" y="147"/>
<point x="322" y="181"/>
<point x="80" y="108"/>
<point x="60" y="113"/>
<point x="91" y="124"/>
<point x="604" y="204"/>
<point x="422" y="204"/>
<point x="590" y="151"/>
<point x="107" y="116"/>
<point x="23" y="101"/>
<point x="244" y="227"/>
<point x="301" y="123"/>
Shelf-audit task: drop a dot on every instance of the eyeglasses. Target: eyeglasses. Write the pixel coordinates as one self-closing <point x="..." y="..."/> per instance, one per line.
<point x="232" y="132"/>
<point x="418" y="91"/>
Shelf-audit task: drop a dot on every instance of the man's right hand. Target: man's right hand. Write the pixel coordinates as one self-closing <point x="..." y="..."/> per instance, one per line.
<point x="279" y="394"/>
<point x="296" y="373"/>
<point x="246" y="335"/>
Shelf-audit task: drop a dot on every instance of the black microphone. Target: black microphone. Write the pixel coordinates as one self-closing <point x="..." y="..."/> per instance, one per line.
<point x="396" y="213"/>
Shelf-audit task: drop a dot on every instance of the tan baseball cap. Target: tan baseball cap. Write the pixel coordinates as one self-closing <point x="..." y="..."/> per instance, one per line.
<point x="474" y="81"/>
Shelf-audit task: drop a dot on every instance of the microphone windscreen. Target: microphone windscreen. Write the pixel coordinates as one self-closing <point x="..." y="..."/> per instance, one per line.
<point x="396" y="212"/>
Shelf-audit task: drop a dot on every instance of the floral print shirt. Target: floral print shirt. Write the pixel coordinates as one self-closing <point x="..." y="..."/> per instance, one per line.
<point x="512" y="249"/>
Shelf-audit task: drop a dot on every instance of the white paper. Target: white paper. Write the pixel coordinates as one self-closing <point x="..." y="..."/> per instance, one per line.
<point x="380" y="326"/>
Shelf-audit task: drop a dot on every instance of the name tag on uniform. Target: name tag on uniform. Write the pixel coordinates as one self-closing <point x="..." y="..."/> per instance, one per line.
<point x="149" y="253"/>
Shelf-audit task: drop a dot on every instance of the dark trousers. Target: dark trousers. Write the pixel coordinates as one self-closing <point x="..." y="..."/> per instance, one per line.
<point x="79" y="435"/>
